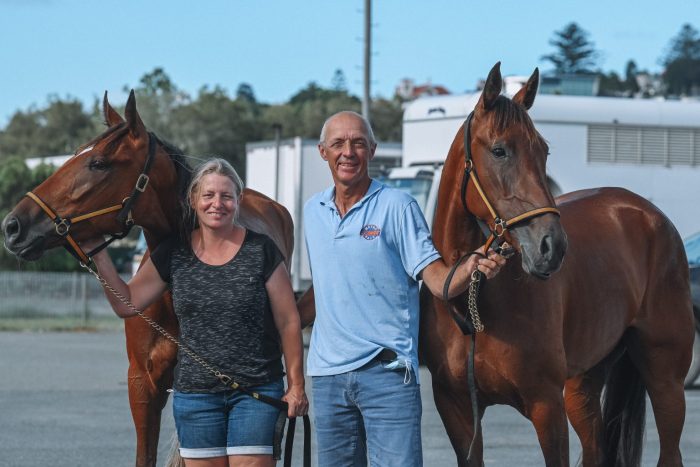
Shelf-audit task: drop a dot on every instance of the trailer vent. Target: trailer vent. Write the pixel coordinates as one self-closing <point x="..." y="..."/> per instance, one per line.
<point x="643" y="145"/>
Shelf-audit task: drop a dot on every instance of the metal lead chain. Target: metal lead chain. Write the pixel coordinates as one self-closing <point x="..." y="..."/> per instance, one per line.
<point x="471" y="301"/>
<point x="224" y="378"/>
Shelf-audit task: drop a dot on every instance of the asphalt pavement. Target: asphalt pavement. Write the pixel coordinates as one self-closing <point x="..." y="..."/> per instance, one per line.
<point x="64" y="403"/>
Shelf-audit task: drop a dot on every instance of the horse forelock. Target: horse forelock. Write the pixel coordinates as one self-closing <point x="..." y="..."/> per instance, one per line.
<point x="113" y="134"/>
<point x="508" y="113"/>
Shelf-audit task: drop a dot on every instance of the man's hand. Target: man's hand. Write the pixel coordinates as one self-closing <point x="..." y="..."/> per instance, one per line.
<point x="490" y="265"/>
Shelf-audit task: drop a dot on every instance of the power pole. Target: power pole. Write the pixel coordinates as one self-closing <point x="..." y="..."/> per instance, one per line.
<point x="367" y="59"/>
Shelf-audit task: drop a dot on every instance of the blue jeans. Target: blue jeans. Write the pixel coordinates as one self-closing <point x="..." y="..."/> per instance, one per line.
<point x="370" y="413"/>
<point x="225" y="423"/>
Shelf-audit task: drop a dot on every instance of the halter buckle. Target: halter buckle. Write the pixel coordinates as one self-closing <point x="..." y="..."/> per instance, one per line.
<point x="499" y="227"/>
<point x="142" y="182"/>
<point x="62" y="227"/>
<point x="506" y="250"/>
<point x="468" y="165"/>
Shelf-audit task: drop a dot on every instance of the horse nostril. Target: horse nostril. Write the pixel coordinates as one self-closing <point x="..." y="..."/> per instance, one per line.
<point x="12" y="229"/>
<point x="546" y="246"/>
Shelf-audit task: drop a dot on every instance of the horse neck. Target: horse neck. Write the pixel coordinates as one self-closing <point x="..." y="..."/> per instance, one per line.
<point x="455" y="231"/>
<point x="161" y="211"/>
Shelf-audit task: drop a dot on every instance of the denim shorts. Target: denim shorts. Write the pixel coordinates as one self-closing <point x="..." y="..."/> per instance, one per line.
<point x="225" y="423"/>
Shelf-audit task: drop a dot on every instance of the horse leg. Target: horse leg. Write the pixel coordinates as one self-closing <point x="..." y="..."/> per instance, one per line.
<point x="150" y="376"/>
<point x="582" y="403"/>
<point x="661" y="361"/>
<point x="546" y="412"/>
<point x="455" y="409"/>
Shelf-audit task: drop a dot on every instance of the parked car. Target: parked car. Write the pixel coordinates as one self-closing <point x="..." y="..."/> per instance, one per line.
<point x="692" y="249"/>
<point x="138" y="253"/>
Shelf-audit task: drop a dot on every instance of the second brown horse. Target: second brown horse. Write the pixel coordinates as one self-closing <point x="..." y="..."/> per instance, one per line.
<point x="616" y="314"/>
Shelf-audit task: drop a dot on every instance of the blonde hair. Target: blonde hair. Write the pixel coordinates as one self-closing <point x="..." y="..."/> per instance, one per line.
<point x="213" y="166"/>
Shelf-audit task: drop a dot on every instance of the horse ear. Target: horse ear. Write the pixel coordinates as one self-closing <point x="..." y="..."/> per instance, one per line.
<point x="492" y="88"/>
<point x="111" y="116"/>
<point x="526" y="95"/>
<point x="136" y="126"/>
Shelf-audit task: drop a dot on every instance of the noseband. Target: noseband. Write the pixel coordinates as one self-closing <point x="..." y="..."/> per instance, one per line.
<point x="500" y="226"/>
<point x="63" y="224"/>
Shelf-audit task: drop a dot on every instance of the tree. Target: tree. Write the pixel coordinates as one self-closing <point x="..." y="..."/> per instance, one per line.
<point x="338" y="83"/>
<point x="214" y="124"/>
<point x="57" y="129"/>
<point x="387" y="119"/>
<point x="686" y="45"/>
<point x="156" y="97"/>
<point x="631" y="72"/>
<point x="245" y="93"/>
<point x="575" y="52"/>
<point x="610" y="85"/>
<point x="682" y="62"/>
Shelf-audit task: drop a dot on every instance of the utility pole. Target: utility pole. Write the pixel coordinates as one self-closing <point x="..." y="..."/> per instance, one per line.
<point x="368" y="59"/>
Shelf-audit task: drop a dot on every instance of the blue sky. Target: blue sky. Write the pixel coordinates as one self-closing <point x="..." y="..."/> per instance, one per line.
<point x="82" y="48"/>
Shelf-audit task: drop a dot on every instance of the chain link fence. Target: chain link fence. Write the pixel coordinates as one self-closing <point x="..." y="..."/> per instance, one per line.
<point x="52" y="295"/>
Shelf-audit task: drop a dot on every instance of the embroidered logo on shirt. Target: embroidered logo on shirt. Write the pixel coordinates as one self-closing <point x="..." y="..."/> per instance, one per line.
<point x="370" y="232"/>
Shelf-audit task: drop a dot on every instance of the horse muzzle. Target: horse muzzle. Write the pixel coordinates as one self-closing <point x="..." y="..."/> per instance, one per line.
<point x="25" y="243"/>
<point x="543" y="244"/>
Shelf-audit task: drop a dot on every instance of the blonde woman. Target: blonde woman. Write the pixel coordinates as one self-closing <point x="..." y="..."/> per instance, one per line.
<point x="236" y="309"/>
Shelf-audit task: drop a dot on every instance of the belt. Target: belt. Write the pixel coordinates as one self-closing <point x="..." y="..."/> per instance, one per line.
<point x="386" y="355"/>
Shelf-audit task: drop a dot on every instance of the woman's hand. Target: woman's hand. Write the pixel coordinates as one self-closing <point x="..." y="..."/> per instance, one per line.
<point x="295" y="397"/>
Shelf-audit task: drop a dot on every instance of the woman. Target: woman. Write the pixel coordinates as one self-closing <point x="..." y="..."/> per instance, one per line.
<point x="235" y="306"/>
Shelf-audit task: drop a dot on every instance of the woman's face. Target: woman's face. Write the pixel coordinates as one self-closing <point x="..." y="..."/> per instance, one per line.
<point x="216" y="203"/>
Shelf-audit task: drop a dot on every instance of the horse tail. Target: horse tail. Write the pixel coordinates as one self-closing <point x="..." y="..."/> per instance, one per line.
<point x="624" y="414"/>
<point x="174" y="459"/>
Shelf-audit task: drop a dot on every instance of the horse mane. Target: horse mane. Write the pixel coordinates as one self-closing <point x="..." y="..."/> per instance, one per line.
<point x="507" y="113"/>
<point x="184" y="175"/>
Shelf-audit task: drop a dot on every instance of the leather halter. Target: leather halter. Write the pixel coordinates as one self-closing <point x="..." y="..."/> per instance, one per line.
<point x="500" y="226"/>
<point x="63" y="224"/>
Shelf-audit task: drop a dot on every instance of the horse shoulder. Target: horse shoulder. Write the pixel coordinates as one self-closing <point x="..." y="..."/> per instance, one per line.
<point x="264" y="215"/>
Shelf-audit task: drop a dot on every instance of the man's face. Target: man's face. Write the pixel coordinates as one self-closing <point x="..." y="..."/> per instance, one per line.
<point x="347" y="150"/>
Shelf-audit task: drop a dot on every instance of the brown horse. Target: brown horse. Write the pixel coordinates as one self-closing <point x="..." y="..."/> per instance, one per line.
<point x="617" y="314"/>
<point x="103" y="172"/>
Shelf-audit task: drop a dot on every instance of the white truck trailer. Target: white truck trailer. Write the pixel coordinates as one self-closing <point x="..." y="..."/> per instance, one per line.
<point x="651" y="147"/>
<point x="290" y="172"/>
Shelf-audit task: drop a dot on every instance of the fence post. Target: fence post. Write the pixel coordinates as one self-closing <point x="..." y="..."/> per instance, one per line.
<point x="74" y="292"/>
<point x="86" y="310"/>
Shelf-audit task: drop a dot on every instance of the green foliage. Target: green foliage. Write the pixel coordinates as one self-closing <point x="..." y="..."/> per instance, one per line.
<point x="57" y="129"/>
<point x="214" y="124"/>
<point x="387" y="119"/>
<point x="575" y="53"/>
<point x="682" y="61"/>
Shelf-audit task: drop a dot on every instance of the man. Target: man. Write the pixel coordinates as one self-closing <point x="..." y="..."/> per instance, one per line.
<point x="368" y="247"/>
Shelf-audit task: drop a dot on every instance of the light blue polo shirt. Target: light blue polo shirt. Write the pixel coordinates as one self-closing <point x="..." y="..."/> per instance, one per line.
<point x="365" y="268"/>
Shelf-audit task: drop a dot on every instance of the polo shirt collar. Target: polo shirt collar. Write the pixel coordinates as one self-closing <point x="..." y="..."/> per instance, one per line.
<point x="328" y="196"/>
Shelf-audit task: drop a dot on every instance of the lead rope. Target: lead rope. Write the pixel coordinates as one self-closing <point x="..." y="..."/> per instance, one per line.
<point x="469" y="328"/>
<point x="228" y="381"/>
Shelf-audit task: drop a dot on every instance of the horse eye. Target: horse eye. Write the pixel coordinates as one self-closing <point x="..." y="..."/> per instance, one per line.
<point x="498" y="152"/>
<point x="98" y="164"/>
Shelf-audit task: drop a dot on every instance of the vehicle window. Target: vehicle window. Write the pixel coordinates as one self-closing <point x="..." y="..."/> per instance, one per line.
<point x="692" y="249"/>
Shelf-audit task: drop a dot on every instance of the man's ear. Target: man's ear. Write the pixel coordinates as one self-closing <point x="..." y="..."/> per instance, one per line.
<point x="322" y="151"/>
<point x="373" y="149"/>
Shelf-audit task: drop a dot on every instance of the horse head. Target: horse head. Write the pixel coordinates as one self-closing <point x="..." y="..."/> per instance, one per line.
<point x="89" y="194"/>
<point x="507" y="187"/>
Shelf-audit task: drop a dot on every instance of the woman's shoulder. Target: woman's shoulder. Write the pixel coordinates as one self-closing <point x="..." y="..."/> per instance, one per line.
<point x="257" y="237"/>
